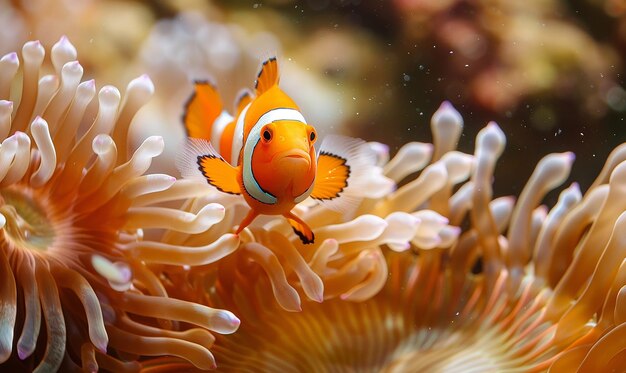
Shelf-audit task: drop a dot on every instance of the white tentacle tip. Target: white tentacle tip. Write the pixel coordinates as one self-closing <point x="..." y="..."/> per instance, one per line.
<point x="211" y="214"/>
<point x="571" y="195"/>
<point x="118" y="274"/>
<point x="318" y="296"/>
<point x="491" y="139"/>
<point x="86" y="90"/>
<point x="557" y="166"/>
<point x="433" y="230"/>
<point x="73" y="68"/>
<point x="564" y="159"/>
<point x="331" y="242"/>
<point x="160" y="182"/>
<point x="21" y="137"/>
<point x="109" y="96"/>
<point x="33" y="50"/>
<point x="399" y="247"/>
<point x="448" y="235"/>
<point x="152" y="147"/>
<point x="36" y="44"/>
<point x="371" y="226"/>
<point x="102" y="346"/>
<point x="345" y="296"/>
<point x="39" y="123"/>
<point x="402" y="228"/>
<point x="6" y="106"/>
<point x="436" y="170"/>
<point x="378" y="147"/>
<point x="458" y="165"/>
<point x="10" y="58"/>
<point x="226" y="322"/>
<point x="65" y="44"/>
<point x="379" y="185"/>
<point x="10" y="144"/>
<point x="102" y="143"/>
<point x="447" y="115"/>
<point x="417" y="150"/>
<point x="23" y="352"/>
<point x="142" y="84"/>
<point x="381" y="150"/>
<point x="157" y="140"/>
<point x="430" y="217"/>
<point x="89" y="84"/>
<point x="574" y="187"/>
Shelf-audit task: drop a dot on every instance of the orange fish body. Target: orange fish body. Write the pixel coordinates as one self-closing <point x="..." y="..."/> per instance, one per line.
<point x="276" y="162"/>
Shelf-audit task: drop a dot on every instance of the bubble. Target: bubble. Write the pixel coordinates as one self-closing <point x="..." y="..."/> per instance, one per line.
<point x="616" y="98"/>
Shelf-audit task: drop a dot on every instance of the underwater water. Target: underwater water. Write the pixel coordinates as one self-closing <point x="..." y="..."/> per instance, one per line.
<point x="313" y="186"/>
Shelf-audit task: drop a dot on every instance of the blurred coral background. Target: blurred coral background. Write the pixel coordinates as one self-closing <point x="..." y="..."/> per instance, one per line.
<point x="550" y="73"/>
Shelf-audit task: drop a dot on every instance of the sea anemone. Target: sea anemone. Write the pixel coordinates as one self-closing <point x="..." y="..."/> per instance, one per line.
<point x="434" y="276"/>
<point x="74" y="205"/>
<point x="425" y="272"/>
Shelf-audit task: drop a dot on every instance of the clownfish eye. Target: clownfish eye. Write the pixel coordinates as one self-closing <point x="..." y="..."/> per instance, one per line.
<point x="267" y="135"/>
<point x="312" y="134"/>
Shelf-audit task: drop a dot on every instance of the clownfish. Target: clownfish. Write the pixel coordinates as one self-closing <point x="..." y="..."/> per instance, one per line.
<point x="266" y="151"/>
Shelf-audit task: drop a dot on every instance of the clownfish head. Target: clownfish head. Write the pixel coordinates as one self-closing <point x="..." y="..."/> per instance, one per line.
<point x="284" y="159"/>
<point x="288" y="144"/>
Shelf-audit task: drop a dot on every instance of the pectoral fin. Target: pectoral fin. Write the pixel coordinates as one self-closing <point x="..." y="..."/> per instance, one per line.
<point x="342" y="164"/>
<point x="200" y="161"/>
<point x="301" y="229"/>
<point x="219" y="173"/>
<point x="331" y="178"/>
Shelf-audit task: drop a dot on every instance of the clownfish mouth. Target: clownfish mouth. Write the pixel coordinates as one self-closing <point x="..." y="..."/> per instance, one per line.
<point x="294" y="156"/>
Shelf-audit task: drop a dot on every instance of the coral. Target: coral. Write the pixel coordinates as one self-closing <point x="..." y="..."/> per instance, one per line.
<point x="499" y="55"/>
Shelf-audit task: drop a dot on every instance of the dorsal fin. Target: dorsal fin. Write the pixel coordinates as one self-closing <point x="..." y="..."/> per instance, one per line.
<point x="243" y="98"/>
<point x="201" y="109"/>
<point x="268" y="76"/>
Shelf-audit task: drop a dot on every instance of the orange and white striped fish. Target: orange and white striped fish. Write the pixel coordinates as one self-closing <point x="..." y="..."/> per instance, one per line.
<point x="266" y="153"/>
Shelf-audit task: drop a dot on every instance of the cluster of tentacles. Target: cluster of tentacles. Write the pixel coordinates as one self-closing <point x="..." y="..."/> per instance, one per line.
<point x="76" y="284"/>
<point x="436" y="275"/>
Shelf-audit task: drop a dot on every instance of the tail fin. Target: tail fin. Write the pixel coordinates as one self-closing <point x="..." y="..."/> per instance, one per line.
<point x="268" y="76"/>
<point x="202" y="108"/>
